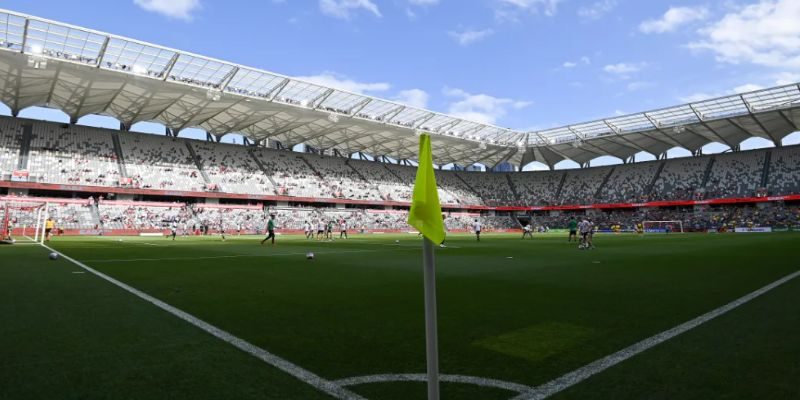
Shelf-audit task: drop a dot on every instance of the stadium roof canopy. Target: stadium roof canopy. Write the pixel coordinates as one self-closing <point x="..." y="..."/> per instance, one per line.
<point x="81" y="71"/>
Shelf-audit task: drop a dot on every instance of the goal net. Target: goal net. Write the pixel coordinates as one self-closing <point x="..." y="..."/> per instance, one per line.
<point x="22" y="221"/>
<point x="662" y="226"/>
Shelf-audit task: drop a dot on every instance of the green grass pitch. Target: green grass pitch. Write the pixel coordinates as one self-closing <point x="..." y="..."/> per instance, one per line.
<point x="523" y="312"/>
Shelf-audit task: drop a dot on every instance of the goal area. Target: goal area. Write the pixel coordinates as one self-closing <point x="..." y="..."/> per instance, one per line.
<point x="662" y="226"/>
<point x="22" y="221"/>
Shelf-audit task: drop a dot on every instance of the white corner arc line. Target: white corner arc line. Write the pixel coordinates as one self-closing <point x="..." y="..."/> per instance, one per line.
<point x="556" y="385"/>
<point x="296" y="371"/>
<point x="472" y="380"/>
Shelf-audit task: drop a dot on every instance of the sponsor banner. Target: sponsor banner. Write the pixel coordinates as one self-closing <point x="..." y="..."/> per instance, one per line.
<point x="90" y="232"/>
<point x="753" y="230"/>
<point x="655" y="230"/>
<point x="20" y="176"/>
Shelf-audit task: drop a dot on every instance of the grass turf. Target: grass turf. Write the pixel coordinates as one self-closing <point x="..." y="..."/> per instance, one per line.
<point x="519" y="311"/>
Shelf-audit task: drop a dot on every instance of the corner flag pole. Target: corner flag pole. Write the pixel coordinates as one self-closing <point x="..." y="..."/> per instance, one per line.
<point x="426" y="215"/>
<point x="431" y="337"/>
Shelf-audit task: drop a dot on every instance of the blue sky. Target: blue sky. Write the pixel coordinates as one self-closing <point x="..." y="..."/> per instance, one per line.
<point x="523" y="64"/>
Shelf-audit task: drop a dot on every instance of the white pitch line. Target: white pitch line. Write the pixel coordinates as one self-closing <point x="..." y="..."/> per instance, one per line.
<point x="581" y="374"/>
<point x="296" y="371"/>
<point x="110" y="260"/>
<point x="472" y="380"/>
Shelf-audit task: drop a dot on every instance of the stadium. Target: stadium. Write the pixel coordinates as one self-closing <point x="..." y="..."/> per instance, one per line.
<point x="157" y="285"/>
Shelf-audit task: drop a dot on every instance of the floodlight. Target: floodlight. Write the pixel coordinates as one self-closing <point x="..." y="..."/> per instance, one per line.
<point x="138" y="69"/>
<point x="213" y="95"/>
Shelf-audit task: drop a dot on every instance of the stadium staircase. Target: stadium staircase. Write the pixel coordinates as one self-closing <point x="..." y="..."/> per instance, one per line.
<point x="561" y="185"/>
<point x="765" y="175"/>
<point x="394" y="174"/>
<point x="95" y="213"/>
<point x="649" y="189"/>
<point x="513" y="188"/>
<point x="25" y="147"/>
<point x="599" y="191"/>
<point x="197" y="162"/>
<point x="374" y="185"/>
<point x="319" y="174"/>
<point x="707" y="174"/>
<point x="263" y="169"/>
<point x="477" y="193"/>
<point x="123" y="172"/>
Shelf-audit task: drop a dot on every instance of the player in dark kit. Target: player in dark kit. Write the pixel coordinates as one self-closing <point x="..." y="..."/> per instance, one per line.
<point x="573" y="230"/>
<point x="270" y="230"/>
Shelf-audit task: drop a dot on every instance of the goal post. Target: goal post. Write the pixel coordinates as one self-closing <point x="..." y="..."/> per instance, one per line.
<point x="662" y="226"/>
<point x="22" y="220"/>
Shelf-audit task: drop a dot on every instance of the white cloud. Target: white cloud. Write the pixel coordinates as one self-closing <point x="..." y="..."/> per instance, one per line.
<point x="623" y="68"/>
<point x="745" y="88"/>
<point x="468" y="37"/>
<point x="509" y="9"/>
<point x="179" y="9"/>
<point x="694" y="98"/>
<point x="766" y="33"/>
<point x="336" y="81"/>
<point x="674" y="18"/>
<point x="413" y="97"/>
<point x="639" y="85"/>
<point x="597" y="9"/>
<point x="748" y="87"/>
<point x="481" y="107"/>
<point x="572" y="64"/>
<point x="786" y="78"/>
<point x="344" y="9"/>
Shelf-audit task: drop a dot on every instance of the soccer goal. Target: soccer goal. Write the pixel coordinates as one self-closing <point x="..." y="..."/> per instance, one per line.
<point x="662" y="226"/>
<point x="23" y="221"/>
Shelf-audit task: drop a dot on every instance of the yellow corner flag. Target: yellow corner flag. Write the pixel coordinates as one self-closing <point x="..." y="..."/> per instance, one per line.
<point x="426" y="212"/>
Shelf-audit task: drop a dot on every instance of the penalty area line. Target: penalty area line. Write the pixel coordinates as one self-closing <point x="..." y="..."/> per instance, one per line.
<point x="579" y="375"/>
<point x="294" y="370"/>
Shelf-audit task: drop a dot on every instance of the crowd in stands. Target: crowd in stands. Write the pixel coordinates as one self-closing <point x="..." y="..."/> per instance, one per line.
<point x="159" y="162"/>
<point x="784" y="171"/>
<point x="680" y="179"/>
<point x="143" y="216"/>
<point x="735" y="175"/>
<point x="774" y="215"/>
<point x="628" y="183"/>
<point x="232" y="168"/>
<point x="581" y="185"/>
<point x="343" y="180"/>
<point x="492" y="187"/>
<point x="292" y="175"/>
<point x="73" y="155"/>
<point x="540" y="188"/>
<point x="10" y="139"/>
<point x="79" y="155"/>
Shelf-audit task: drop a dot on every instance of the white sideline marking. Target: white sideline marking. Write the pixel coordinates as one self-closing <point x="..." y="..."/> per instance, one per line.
<point x="550" y="388"/>
<point x="472" y="380"/>
<point x="296" y="371"/>
<point x="227" y="256"/>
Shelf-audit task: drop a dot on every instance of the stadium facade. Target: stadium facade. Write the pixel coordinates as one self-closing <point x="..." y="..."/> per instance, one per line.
<point x="80" y="72"/>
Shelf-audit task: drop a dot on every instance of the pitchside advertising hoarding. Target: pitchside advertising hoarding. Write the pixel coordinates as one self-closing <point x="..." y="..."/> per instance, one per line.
<point x="753" y="230"/>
